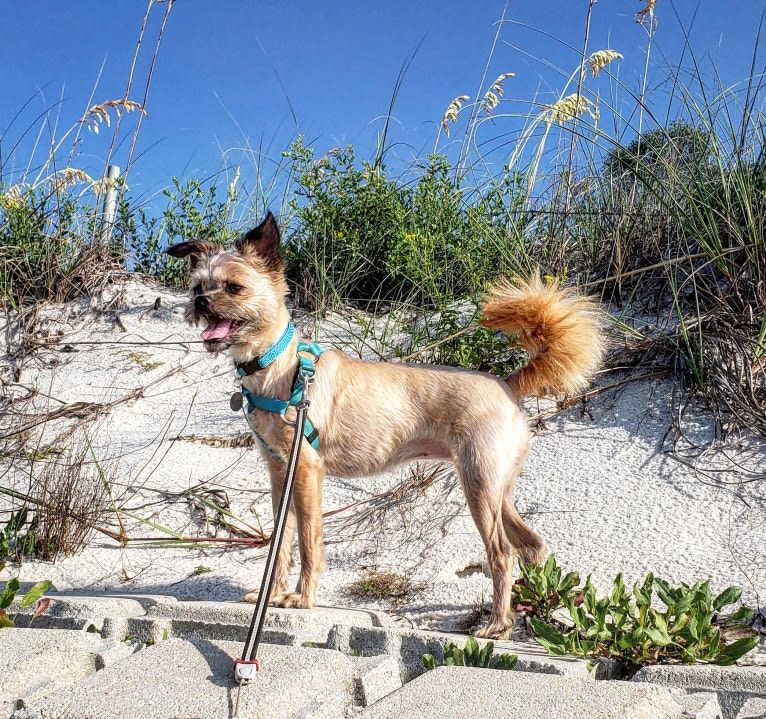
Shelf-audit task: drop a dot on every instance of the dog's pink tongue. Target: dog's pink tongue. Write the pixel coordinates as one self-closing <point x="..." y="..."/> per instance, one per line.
<point x="217" y="330"/>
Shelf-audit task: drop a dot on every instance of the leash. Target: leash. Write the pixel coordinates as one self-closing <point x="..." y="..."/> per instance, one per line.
<point x="246" y="667"/>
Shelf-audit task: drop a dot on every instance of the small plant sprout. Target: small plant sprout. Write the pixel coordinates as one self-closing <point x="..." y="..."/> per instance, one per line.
<point x="472" y="655"/>
<point x="33" y="594"/>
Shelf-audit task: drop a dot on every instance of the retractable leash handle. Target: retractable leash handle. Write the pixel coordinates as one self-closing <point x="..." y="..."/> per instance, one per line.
<point x="246" y="667"/>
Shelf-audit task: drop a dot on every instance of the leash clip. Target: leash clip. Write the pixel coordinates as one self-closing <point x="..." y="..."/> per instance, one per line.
<point x="245" y="671"/>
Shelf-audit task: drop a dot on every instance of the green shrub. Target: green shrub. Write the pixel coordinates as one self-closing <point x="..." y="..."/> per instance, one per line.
<point x="453" y="337"/>
<point x="192" y="212"/>
<point x="627" y="627"/>
<point x="45" y="253"/>
<point x="358" y="235"/>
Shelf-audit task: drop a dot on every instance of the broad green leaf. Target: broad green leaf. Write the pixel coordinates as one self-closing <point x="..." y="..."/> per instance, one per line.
<point x="486" y="654"/>
<point x="741" y="615"/>
<point x="618" y="589"/>
<point x="661" y="639"/>
<point x="664" y="591"/>
<point x="547" y="632"/>
<point x="726" y="597"/>
<point x="34" y="593"/>
<point x="11" y="589"/>
<point x="737" y="649"/>
<point x="429" y="662"/>
<point x="471" y="652"/>
<point x="5" y="621"/>
<point x="680" y="622"/>
<point x="570" y="581"/>
<point x="507" y="661"/>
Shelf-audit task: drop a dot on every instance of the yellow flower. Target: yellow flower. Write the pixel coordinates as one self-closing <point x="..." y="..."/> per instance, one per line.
<point x="410" y="236"/>
<point x="339" y="235"/>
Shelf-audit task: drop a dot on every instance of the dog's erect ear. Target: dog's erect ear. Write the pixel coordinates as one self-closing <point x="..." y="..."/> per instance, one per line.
<point x="263" y="242"/>
<point x="194" y="250"/>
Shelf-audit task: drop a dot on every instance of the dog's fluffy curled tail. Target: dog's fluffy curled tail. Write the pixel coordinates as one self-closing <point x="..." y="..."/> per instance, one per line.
<point x="561" y="331"/>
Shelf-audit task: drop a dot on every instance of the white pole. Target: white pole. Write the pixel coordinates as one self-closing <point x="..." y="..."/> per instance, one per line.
<point x="110" y="203"/>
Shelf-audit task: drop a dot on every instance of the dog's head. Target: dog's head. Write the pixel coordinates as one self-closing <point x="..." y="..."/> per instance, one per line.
<point x="238" y="293"/>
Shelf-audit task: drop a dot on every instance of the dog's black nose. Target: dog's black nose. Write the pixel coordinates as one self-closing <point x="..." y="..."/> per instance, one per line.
<point x="202" y="303"/>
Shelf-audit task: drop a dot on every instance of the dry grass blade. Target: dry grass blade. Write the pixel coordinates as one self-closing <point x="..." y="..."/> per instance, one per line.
<point x="70" y="498"/>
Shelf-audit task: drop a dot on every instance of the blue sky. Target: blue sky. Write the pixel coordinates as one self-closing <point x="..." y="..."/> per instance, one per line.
<point x="233" y="72"/>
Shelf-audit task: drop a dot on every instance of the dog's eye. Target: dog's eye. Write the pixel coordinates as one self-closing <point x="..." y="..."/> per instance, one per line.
<point x="197" y="289"/>
<point x="233" y="288"/>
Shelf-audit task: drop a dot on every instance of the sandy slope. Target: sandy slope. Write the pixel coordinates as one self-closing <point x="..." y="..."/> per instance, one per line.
<point x="597" y="485"/>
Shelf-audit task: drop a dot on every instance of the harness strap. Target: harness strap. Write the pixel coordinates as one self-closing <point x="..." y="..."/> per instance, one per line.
<point x="306" y="371"/>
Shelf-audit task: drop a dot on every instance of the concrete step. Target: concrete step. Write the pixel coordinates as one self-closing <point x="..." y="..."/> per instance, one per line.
<point x="468" y="692"/>
<point x="179" y="678"/>
<point x="35" y="662"/>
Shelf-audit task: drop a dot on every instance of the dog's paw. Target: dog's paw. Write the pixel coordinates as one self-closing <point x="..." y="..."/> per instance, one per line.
<point x="494" y="630"/>
<point x="293" y="600"/>
<point x="251" y="597"/>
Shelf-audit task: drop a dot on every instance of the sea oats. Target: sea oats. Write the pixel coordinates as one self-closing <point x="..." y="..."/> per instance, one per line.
<point x="12" y="196"/>
<point x="601" y="58"/>
<point x="492" y="97"/>
<point x="451" y="113"/>
<point x="567" y="108"/>
<point x="647" y="13"/>
<point x="100" y="113"/>
<point x="231" y="193"/>
<point x="68" y="177"/>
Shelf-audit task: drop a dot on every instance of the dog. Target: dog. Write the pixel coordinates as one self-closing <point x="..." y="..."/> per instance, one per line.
<point x="374" y="416"/>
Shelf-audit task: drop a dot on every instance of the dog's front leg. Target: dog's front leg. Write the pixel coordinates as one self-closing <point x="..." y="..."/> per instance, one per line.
<point x="307" y="502"/>
<point x="285" y="557"/>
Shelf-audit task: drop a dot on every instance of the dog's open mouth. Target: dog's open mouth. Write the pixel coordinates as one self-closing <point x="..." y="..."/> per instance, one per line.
<point x="220" y="329"/>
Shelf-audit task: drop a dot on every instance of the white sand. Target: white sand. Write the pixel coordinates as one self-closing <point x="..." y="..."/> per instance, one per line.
<point x="598" y="488"/>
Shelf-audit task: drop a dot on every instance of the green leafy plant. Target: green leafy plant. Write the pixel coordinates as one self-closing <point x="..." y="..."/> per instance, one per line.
<point x="542" y="590"/>
<point x="625" y="625"/>
<point x="192" y="212"/>
<point x="453" y="337"/>
<point x="472" y="655"/>
<point x="34" y="594"/>
<point x="359" y="235"/>
<point x="15" y="542"/>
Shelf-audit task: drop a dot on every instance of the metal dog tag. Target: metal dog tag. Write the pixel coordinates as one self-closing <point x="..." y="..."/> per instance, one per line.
<point x="235" y="402"/>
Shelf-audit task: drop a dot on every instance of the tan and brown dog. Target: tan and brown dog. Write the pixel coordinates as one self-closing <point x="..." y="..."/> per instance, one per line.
<point x="373" y="416"/>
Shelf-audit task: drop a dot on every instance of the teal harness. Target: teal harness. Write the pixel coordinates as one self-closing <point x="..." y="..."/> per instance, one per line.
<point x="304" y="376"/>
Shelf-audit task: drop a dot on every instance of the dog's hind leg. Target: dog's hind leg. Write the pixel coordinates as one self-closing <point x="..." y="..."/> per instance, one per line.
<point x="307" y="501"/>
<point x="483" y="489"/>
<point x="285" y="557"/>
<point x="528" y="544"/>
